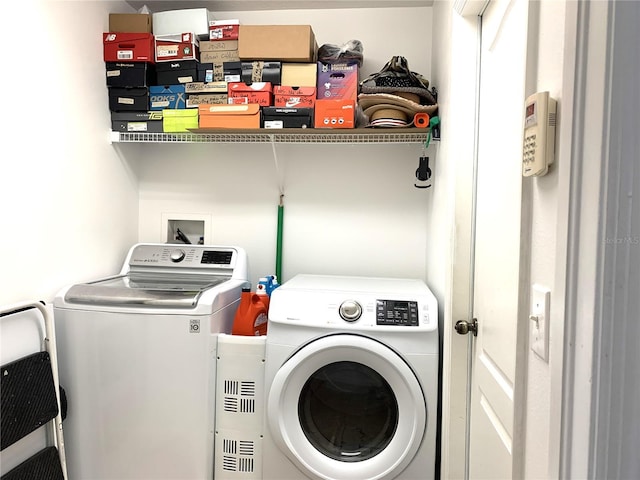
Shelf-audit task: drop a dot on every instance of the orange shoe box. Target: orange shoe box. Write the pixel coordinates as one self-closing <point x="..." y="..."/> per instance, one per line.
<point x="294" y="97"/>
<point x="229" y="116"/>
<point x="257" y="92"/>
<point x="334" y="113"/>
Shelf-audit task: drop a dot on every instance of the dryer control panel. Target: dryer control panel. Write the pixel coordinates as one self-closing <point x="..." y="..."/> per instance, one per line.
<point x="355" y="304"/>
<point x="397" y="313"/>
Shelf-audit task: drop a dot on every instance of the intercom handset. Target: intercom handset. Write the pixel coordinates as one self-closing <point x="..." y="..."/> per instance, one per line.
<point x="539" y="134"/>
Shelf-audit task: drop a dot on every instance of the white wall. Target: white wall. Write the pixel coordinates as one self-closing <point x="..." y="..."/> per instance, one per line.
<point x="72" y="195"/>
<point x="68" y="202"/>
<point x="349" y="209"/>
<point x="69" y="199"/>
<point x="548" y="234"/>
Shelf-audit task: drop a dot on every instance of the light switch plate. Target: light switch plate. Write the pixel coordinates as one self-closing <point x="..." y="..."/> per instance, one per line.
<point x="539" y="321"/>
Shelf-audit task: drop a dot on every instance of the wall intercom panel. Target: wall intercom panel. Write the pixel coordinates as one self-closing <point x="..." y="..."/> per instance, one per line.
<point x="539" y="134"/>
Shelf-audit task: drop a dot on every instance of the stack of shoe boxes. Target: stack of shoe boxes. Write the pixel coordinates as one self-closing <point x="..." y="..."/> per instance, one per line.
<point x="179" y="70"/>
<point x="129" y="55"/>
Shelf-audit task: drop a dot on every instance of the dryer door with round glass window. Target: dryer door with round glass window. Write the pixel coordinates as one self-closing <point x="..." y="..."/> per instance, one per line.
<point x="347" y="406"/>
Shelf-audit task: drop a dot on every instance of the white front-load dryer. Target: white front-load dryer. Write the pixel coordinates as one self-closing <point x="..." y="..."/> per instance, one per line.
<point x="351" y="379"/>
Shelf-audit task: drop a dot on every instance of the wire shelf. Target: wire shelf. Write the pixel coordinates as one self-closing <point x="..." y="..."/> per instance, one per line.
<point x="290" y="136"/>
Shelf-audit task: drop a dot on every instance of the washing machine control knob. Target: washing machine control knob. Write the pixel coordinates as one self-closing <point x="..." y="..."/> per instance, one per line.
<point x="177" y="255"/>
<point x="350" y="310"/>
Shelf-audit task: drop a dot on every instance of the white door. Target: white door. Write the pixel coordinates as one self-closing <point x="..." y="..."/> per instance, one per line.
<point x="496" y="302"/>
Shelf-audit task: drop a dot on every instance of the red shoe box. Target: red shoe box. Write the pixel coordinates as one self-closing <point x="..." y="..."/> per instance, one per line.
<point x="180" y="46"/>
<point x="257" y="92"/>
<point x="294" y="97"/>
<point x="128" y="47"/>
<point x="224" y="29"/>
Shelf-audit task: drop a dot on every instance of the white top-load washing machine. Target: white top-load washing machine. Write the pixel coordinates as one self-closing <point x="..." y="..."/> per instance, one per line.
<point x="137" y="356"/>
<point x="351" y="379"/>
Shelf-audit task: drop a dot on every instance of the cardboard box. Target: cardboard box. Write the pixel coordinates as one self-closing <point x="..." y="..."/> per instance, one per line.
<point x="174" y="121"/>
<point x="299" y="74"/>
<point x="128" y="47"/>
<point x="285" y="43"/>
<point x="183" y="20"/>
<point x="294" y="97"/>
<point x="224" y="29"/>
<point x="202" y="87"/>
<point x="219" y="56"/>
<point x="167" y="96"/>
<point x="257" y="92"/>
<point x="195" y="99"/>
<point x="219" y="46"/>
<point x="179" y="46"/>
<point x="130" y="22"/>
<point x="136" y="74"/>
<point x="334" y="113"/>
<point x="229" y="116"/>
<point x="219" y="51"/>
<point x="142" y="122"/>
<point x="210" y="72"/>
<point x="232" y="71"/>
<point x="259" y="71"/>
<point x="281" y="117"/>
<point x="127" y="99"/>
<point x="338" y="81"/>
<point x="200" y="93"/>
<point x="172" y="73"/>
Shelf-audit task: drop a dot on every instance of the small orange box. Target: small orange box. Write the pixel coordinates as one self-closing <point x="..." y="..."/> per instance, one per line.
<point x="257" y="92"/>
<point x="334" y="114"/>
<point x="294" y="97"/>
<point x="229" y="116"/>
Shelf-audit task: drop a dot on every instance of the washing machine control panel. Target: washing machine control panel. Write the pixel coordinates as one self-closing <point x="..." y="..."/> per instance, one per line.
<point x="192" y="256"/>
<point x="397" y="313"/>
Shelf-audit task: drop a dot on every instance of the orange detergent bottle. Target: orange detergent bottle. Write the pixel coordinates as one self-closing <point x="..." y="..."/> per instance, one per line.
<point x="251" y="316"/>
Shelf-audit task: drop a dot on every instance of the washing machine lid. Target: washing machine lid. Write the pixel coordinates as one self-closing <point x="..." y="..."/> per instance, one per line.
<point x="144" y="290"/>
<point x="170" y="276"/>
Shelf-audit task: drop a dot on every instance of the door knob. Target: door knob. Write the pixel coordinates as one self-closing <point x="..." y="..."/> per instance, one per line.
<point x="463" y="327"/>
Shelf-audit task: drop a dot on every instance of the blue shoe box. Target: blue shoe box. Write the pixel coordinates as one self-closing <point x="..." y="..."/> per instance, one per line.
<point x="167" y="96"/>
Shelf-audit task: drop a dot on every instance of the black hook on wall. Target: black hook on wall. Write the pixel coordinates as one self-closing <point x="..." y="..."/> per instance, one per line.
<point x="423" y="173"/>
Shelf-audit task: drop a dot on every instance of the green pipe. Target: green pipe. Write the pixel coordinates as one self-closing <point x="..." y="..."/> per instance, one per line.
<point x="279" y="241"/>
